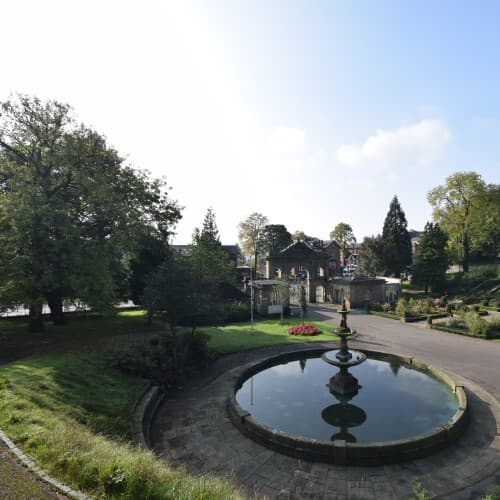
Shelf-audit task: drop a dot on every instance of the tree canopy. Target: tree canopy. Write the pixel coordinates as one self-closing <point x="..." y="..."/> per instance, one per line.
<point x="431" y="259"/>
<point x="371" y="255"/>
<point x="250" y="234"/>
<point x="468" y="210"/>
<point x="275" y="237"/>
<point x="396" y="241"/>
<point x="70" y="210"/>
<point x="343" y="235"/>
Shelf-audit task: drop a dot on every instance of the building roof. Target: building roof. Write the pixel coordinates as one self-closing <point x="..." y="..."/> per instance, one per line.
<point x="300" y="247"/>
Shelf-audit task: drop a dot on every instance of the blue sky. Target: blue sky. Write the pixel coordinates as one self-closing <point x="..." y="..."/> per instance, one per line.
<point x="312" y="113"/>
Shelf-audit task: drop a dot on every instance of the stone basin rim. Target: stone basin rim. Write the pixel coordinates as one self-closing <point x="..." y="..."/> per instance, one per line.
<point x="341" y="452"/>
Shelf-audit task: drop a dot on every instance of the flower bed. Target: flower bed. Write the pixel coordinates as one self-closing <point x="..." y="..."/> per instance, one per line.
<point x="305" y="330"/>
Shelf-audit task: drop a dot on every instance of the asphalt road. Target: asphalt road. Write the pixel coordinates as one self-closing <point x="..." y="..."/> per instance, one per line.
<point x="475" y="359"/>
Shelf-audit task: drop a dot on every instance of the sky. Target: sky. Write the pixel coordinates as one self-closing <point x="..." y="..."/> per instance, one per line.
<point x="309" y="112"/>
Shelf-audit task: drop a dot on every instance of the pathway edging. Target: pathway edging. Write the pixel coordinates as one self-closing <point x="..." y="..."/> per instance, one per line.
<point x="40" y="473"/>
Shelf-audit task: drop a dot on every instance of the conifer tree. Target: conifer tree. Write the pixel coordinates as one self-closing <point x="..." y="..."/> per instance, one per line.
<point x="396" y="241"/>
<point x="209" y="232"/>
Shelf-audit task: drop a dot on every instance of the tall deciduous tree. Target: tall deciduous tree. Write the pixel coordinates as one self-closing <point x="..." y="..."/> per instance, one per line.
<point x="469" y="212"/>
<point x="396" y="241"/>
<point x="275" y="237"/>
<point x="250" y="235"/>
<point x="371" y="256"/>
<point x="70" y="209"/>
<point x="343" y="235"/>
<point x="299" y="236"/>
<point x="431" y="259"/>
<point x="150" y="252"/>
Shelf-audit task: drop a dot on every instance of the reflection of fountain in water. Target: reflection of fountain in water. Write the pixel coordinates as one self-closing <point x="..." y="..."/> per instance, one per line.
<point x="343" y="382"/>
<point x="344" y="416"/>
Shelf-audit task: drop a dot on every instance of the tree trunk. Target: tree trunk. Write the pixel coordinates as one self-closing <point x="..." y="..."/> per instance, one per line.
<point x="55" y="302"/>
<point x="466" y="250"/>
<point x="35" y="319"/>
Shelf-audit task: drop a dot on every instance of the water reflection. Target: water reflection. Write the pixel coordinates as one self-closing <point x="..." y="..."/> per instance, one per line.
<point x="295" y="397"/>
<point x="344" y="416"/>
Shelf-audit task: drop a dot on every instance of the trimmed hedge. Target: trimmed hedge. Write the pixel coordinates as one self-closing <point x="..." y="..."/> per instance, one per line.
<point x="458" y="331"/>
<point x="384" y="315"/>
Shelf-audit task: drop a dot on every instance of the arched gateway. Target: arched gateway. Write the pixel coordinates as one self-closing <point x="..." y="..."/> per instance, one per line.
<point x="301" y="260"/>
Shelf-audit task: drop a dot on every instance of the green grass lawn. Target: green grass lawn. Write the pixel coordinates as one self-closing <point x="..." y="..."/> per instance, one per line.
<point x="239" y="337"/>
<point x="70" y="411"/>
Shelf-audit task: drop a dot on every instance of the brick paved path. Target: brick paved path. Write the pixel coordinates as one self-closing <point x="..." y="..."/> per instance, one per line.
<point x="193" y="429"/>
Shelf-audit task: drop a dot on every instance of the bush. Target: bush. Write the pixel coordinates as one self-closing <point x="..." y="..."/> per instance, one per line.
<point x="305" y="330"/>
<point x="155" y="360"/>
<point x="455" y="323"/>
<point x="475" y="324"/>
<point x="236" y="312"/>
<point x="492" y="329"/>
<point x="375" y="306"/>
<point x="402" y="308"/>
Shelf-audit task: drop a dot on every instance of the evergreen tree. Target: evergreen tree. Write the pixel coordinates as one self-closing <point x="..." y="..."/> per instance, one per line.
<point x="210" y="271"/>
<point x="209" y="232"/>
<point x="431" y="259"/>
<point x="396" y="241"/>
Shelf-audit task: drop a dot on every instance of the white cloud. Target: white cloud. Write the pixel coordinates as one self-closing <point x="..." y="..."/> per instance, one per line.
<point x="287" y="140"/>
<point x="419" y="144"/>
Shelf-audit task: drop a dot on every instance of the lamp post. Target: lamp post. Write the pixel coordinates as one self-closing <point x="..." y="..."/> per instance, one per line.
<point x="251" y="302"/>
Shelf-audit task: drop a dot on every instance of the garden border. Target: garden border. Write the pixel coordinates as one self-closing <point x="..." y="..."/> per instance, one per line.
<point x="144" y="413"/>
<point x="341" y="452"/>
<point x="25" y="461"/>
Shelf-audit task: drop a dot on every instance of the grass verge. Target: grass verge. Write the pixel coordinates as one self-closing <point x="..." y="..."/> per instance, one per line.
<point x="71" y="414"/>
<point x="238" y="337"/>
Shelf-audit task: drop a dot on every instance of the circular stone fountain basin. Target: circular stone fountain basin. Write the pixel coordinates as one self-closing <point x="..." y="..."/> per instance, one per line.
<point x="403" y="408"/>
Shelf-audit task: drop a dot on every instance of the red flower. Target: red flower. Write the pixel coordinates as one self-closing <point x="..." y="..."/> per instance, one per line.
<point x="306" y="329"/>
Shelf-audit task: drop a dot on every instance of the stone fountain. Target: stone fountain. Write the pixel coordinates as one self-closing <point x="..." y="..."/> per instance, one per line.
<point x="343" y="382"/>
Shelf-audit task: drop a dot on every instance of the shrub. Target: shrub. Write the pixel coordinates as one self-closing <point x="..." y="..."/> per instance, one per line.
<point x="402" y="307"/>
<point x="475" y="324"/>
<point x="454" y="323"/>
<point x="155" y="359"/>
<point x="305" y="330"/>
<point x="426" y="306"/>
<point x="236" y="312"/>
<point x="492" y="329"/>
